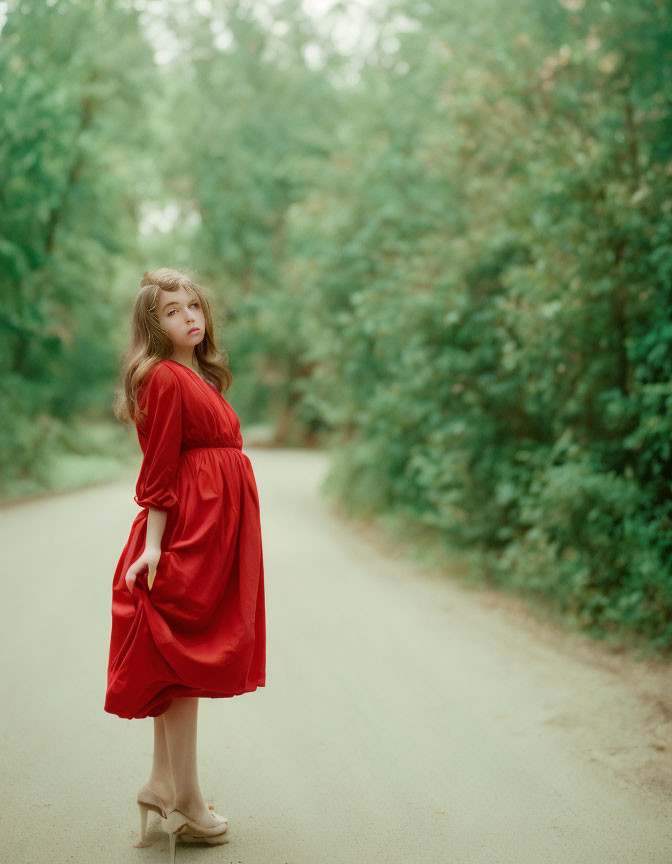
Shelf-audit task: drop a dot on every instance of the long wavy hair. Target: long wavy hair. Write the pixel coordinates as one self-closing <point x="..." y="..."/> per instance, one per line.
<point x="149" y="343"/>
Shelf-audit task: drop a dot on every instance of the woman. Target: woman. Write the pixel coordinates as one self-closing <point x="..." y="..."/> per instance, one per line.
<point x="188" y="612"/>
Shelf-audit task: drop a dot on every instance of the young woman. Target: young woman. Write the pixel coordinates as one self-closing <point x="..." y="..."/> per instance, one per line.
<point x="188" y="613"/>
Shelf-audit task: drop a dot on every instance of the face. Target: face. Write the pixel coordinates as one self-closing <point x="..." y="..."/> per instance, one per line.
<point x="180" y="315"/>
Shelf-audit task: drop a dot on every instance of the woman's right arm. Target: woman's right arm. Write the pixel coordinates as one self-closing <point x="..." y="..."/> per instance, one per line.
<point x="156" y="522"/>
<point x="155" y="488"/>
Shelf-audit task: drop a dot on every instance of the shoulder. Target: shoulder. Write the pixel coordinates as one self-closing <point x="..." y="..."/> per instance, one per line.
<point x="166" y="373"/>
<point x="160" y="379"/>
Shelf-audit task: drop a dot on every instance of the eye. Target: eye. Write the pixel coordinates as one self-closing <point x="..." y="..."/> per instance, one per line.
<point x="195" y="303"/>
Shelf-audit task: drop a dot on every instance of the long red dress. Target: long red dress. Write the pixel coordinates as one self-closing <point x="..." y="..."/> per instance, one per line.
<point x="201" y="630"/>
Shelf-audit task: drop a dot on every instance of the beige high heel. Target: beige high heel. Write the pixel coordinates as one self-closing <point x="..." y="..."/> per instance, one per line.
<point x="148" y="800"/>
<point x="178" y="823"/>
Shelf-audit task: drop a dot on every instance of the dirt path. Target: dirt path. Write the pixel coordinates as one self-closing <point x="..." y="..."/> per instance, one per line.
<point x="405" y="718"/>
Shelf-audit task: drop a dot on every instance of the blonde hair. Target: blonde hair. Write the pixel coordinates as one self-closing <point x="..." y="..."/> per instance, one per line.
<point x="150" y="344"/>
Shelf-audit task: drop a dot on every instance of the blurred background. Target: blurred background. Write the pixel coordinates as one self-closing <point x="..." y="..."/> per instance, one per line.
<point x="439" y="236"/>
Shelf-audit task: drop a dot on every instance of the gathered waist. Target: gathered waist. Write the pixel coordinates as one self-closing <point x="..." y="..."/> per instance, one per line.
<point x="212" y="447"/>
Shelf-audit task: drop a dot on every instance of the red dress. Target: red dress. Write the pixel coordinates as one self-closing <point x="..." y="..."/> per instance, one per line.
<point x="201" y="630"/>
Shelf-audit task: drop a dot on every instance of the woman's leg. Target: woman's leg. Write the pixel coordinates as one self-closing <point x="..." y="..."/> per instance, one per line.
<point x="161" y="777"/>
<point x="180" y="722"/>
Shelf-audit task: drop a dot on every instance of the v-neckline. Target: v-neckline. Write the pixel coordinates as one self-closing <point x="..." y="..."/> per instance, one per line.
<point x="200" y="378"/>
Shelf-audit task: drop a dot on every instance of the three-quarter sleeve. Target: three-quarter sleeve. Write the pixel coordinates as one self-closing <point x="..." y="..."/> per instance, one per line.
<point x="160" y="436"/>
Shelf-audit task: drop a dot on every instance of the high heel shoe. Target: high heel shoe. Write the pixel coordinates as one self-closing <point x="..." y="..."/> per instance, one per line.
<point x="178" y="823"/>
<point x="148" y="800"/>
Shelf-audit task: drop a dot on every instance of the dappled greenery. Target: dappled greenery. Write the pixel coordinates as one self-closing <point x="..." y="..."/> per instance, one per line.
<point x="490" y="300"/>
<point x="448" y="256"/>
<point x="73" y="108"/>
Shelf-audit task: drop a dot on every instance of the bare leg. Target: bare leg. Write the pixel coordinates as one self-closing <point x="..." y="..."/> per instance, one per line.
<point x="161" y="777"/>
<point x="180" y="722"/>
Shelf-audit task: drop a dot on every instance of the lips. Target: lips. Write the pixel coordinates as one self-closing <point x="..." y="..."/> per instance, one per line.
<point x="195" y="330"/>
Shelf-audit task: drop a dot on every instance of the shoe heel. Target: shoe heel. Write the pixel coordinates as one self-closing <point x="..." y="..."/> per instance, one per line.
<point x="175" y="821"/>
<point x="144" y="809"/>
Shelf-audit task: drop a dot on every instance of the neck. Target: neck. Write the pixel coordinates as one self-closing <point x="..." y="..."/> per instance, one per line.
<point x="185" y="356"/>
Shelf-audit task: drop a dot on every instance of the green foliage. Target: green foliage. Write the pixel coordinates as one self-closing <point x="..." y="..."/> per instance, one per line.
<point x="449" y="255"/>
<point x="76" y="78"/>
<point x="490" y="301"/>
